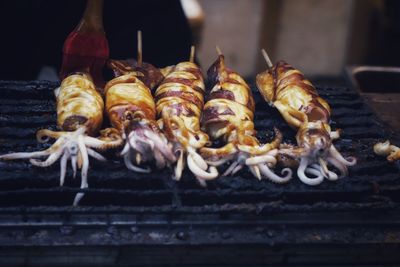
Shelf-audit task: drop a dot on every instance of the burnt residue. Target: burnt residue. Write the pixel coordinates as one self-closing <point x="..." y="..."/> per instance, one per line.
<point x="73" y="122"/>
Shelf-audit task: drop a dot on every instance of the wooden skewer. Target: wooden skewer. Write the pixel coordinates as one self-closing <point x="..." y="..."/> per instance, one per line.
<point x="192" y="52"/>
<point x="218" y="50"/>
<point x="223" y="74"/>
<point x="267" y="59"/>
<point x="139" y="48"/>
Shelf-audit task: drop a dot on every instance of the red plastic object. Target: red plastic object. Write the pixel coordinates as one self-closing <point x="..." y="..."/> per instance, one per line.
<point x="86" y="48"/>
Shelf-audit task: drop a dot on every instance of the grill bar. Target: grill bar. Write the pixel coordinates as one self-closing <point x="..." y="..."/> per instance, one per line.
<point x="124" y="208"/>
<point x="19" y="123"/>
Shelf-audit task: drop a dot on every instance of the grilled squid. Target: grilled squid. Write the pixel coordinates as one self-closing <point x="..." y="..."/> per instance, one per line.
<point x="179" y="103"/>
<point x="297" y="100"/>
<point x="79" y="116"/>
<point x="228" y="115"/>
<point x="388" y="150"/>
<point x="131" y="109"/>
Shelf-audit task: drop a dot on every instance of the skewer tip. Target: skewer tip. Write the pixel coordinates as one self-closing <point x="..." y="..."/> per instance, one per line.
<point x="222" y="68"/>
<point x="192" y="52"/>
<point x="218" y="50"/>
<point x="267" y="59"/>
<point x="139" y="47"/>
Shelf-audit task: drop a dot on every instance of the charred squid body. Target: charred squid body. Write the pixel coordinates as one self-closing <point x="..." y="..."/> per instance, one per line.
<point x="229" y="114"/>
<point x="179" y="102"/>
<point x="385" y="149"/>
<point x="79" y="114"/>
<point x="131" y="110"/>
<point x="297" y="100"/>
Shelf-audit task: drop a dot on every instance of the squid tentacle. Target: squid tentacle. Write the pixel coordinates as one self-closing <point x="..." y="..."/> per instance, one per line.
<point x="161" y="144"/>
<point x="219" y="162"/>
<point x="231" y="168"/>
<point x="338" y="165"/>
<point x="26" y="155"/>
<point x="65" y="147"/>
<point x="266" y="171"/>
<point x="199" y="167"/>
<point x="326" y="172"/>
<point x="142" y="141"/>
<point x="323" y="168"/>
<point x="50" y="160"/>
<point x="227" y="151"/>
<point x="131" y="166"/>
<point x="258" y="150"/>
<point x="199" y="172"/>
<point x="196" y="162"/>
<point x="179" y="166"/>
<point x="230" y="117"/>
<point x="97" y="143"/>
<point x="197" y="158"/>
<point x="301" y="173"/>
<point x="255" y="170"/>
<point x="95" y="154"/>
<point x="350" y="161"/>
<point x="76" y="146"/>
<point x="125" y="149"/>
<point x="298" y="101"/>
<point x="63" y="167"/>
<point x="84" y="170"/>
<point x="269" y="158"/>
<point x="160" y="161"/>
<point x="238" y="168"/>
<point x="44" y="135"/>
<point x="74" y="163"/>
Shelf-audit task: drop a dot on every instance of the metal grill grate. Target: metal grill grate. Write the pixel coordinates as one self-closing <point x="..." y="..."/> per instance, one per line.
<point x="26" y="107"/>
<point x="122" y="207"/>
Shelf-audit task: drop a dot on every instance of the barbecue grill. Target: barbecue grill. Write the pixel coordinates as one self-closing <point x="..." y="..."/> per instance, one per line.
<point x="129" y="218"/>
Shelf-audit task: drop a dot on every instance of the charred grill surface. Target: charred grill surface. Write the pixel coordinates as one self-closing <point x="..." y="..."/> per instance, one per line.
<point x="26" y="107"/>
<point x="238" y="209"/>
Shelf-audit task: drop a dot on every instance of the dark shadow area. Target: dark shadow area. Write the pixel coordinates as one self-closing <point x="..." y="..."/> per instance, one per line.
<point x="33" y="32"/>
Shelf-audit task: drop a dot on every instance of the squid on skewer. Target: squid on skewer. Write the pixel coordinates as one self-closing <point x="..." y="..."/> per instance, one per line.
<point x="79" y="116"/>
<point x="179" y="103"/>
<point x="388" y="150"/>
<point x="300" y="105"/>
<point x="131" y="109"/>
<point x="229" y="114"/>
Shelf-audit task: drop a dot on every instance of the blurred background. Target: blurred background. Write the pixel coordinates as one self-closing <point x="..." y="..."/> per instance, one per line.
<point x="320" y="37"/>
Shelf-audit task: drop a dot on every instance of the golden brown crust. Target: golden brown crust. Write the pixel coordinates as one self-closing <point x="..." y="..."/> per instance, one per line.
<point x="294" y="96"/>
<point x="128" y="97"/>
<point x="298" y="102"/>
<point x="147" y="73"/>
<point x="180" y="98"/>
<point x="78" y="103"/>
<point x="229" y="111"/>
